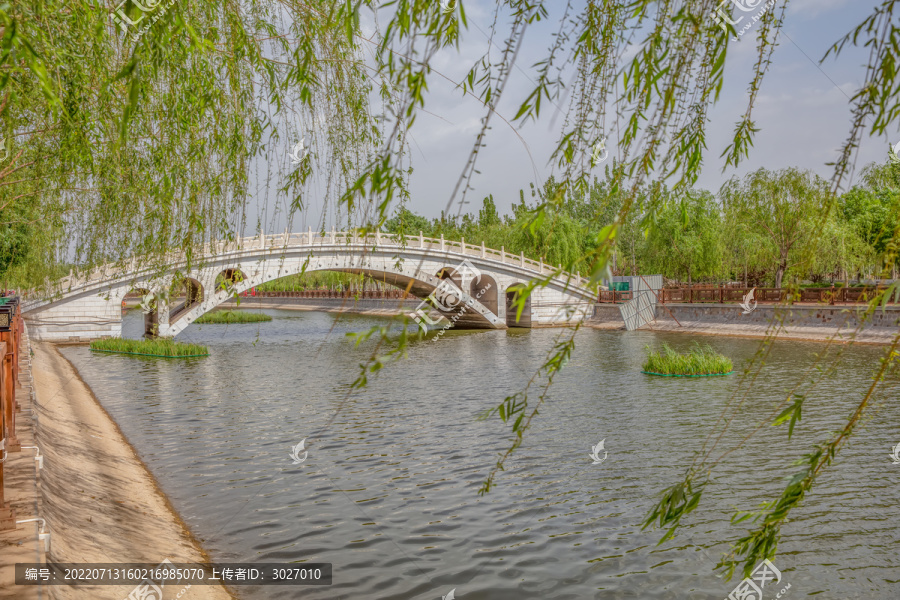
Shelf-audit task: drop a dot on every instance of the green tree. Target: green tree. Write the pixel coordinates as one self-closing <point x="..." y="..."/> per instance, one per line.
<point x="785" y="209"/>
<point x="840" y="251"/>
<point x="685" y="240"/>
<point x="406" y="222"/>
<point x="488" y="216"/>
<point x="745" y="249"/>
<point x="872" y="211"/>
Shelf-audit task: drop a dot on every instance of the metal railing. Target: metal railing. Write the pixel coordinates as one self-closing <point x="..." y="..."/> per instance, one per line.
<point x="614" y="297"/>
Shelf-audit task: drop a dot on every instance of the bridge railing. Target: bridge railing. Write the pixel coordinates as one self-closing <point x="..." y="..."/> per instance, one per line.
<point x="378" y="239"/>
<point x="344" y="238"/>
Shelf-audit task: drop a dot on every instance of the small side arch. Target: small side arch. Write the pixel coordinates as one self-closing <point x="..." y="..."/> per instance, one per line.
<point x="511" y="309"/>
<point x="228" y="280"/>
<point x="151" y="318"/>
<point x="188" y="288"/>
<point x="451" y="274"/>
<point x="484" y="290"/>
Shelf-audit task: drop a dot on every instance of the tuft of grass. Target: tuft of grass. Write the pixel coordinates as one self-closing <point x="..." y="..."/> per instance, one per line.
<point x="232" y="316"/>
<point x="158" y="347"/>
<point x="700" y="360"/>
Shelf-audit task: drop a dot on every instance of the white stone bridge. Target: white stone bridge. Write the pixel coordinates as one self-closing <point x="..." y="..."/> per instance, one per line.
<point x="90" y="307"/>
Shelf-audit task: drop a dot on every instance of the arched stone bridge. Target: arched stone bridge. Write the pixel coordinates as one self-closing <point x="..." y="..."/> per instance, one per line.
<point x="90" y="307"/>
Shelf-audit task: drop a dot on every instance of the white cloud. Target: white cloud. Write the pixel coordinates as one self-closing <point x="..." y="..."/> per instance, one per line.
<point x="812" y="9"/>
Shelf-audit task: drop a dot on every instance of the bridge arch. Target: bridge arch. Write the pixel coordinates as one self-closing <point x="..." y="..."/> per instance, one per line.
<point x="151" y="319"/>
<point x="512" y="317"/>
<point x="193" y="292"/>
<point x="230" y="277"/>
<point x="485" y="289"/>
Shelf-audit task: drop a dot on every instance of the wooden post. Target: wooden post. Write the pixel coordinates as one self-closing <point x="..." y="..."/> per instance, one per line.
<point x="721" y="294"/>
<point x="690" y="295"/>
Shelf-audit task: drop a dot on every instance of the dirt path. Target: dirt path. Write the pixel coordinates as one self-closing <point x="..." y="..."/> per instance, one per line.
<point x="100" y="501"/>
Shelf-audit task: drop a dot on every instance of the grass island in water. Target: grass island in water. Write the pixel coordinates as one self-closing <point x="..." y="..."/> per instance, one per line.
<point x="232" y="316"/>
<point x="159" y="347"/>
<point x="700" y="361"/>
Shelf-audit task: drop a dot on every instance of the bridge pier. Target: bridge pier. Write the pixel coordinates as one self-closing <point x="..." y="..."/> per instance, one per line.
<point x="87" y="317"/>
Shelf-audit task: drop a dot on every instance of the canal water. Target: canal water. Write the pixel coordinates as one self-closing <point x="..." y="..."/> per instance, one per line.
<point x="388" y="491"/>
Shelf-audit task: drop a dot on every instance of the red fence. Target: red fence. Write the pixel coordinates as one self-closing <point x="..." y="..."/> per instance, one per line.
<point x="614" y="297"/>
<point x="11" y="330"/>
<point x="369" y="294"/>
<point x="720" y="295"/>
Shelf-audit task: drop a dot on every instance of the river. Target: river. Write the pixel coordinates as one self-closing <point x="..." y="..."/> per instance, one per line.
<point x="388" y="493"/>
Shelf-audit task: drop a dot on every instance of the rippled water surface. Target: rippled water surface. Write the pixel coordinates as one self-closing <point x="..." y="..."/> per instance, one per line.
<point x="388" y="493"/>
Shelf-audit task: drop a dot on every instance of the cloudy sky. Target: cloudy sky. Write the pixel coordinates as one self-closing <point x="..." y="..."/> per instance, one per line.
<point x="803" y="109"/>
<point x="803" y="112"/>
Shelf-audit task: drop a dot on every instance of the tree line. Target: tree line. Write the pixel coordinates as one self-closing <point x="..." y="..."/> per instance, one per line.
<point x="768" y="228"/>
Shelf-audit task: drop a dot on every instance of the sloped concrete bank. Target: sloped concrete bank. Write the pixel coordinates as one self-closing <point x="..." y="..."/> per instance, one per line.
<point x="606" y="316"/>
<point x="802" y="322"/>
<point x="21" y="482"/>
<point x="100" y="502"/>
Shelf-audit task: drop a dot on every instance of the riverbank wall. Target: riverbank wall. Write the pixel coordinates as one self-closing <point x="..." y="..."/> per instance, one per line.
<point x="796" y="321"/>
<point x="97" y="499"/>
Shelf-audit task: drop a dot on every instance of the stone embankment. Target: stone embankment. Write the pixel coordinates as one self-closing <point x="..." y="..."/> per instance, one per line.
<point x="797" y="321"/>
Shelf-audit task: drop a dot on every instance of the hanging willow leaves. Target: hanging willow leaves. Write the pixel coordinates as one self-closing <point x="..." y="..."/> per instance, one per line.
<point x="151" y="145"/>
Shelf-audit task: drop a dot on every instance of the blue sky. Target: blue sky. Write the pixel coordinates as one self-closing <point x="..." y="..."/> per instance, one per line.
<point x="803" y="110"/>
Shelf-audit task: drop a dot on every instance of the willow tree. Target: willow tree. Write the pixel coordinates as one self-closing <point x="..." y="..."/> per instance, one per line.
<point x="686" y="238"/>
<point x="137" y="142"/>
<point x="872" y="210"/>
<point x="142" y="145"/>
<point x="784" y="209"/>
